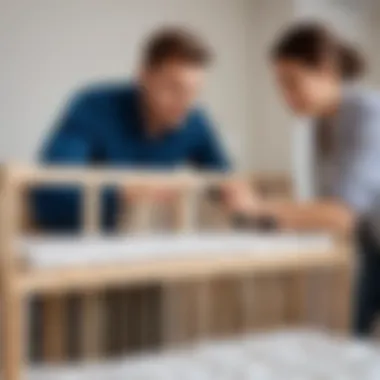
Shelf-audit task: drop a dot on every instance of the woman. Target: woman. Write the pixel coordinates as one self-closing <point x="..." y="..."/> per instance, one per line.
<point x="315" y="72"/>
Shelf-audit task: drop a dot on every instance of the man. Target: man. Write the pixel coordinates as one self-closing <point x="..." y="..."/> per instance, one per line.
<point x="151" y="123"/>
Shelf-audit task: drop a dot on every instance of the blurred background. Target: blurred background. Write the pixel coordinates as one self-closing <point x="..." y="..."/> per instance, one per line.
<point x="50" y="48"/>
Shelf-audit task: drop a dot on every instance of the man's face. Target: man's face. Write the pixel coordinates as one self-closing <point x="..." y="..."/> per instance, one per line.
<point x="171" y="90"/>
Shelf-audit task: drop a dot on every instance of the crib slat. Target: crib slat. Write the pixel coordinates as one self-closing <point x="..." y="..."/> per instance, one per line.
<point x="55" y="323"/>
<point x="246" y="296"/>
<point x="204" y="308"/>
<point x="183" y="218"/>
<point x="342" y="298"/>
<point x="297" y="297"/>
<point x="141" y="213"/>
<point x="185" y="211"/>
<point x="91" y="208"/>
<point x="92" y="337"/>
<point x="260" y="303"/>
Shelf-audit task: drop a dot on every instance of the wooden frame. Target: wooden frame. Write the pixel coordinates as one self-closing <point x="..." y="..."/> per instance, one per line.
<point x="18" y="282"/>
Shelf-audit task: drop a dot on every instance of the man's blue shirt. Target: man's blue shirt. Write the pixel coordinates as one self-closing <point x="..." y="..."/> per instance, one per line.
<point x="104" y="126"/>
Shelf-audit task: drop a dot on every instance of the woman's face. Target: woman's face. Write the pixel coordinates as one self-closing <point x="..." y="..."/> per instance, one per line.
<point x="306" y="90"/>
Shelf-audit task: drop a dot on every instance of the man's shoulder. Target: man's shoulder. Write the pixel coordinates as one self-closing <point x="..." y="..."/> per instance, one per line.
<point x="198" y="119"/>
<point x="103" y="93"/>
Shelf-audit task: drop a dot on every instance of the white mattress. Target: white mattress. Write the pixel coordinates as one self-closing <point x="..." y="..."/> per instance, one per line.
<point x="68" y="251"/>
<point x="277" y="356"/>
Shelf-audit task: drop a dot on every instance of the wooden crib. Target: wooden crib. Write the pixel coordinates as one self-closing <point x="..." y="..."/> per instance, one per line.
<point x="25" y="268"/>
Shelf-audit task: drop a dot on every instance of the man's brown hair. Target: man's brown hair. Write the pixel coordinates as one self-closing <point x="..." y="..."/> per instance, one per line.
<point x="175" y="44"/>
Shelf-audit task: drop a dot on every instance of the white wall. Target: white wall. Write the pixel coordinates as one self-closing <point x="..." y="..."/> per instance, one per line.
<point x="374" y="50"/>
<point x="350" y="17"/>
<point x="269" y="121"/>
<point x="50" y="47"/>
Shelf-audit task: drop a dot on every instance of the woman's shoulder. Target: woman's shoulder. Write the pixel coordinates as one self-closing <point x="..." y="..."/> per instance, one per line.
<point x="359" y="99"/>
<point x="361" y="116"/>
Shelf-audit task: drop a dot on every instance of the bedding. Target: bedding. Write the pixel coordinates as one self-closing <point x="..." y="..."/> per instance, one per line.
<point x="48" y="252"/>
<point x="288" y="355"/>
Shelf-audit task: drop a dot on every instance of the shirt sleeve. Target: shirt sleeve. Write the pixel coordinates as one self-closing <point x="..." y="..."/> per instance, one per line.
<point x="71" y="143"/>
<point x="359" y="182"/>
<point x="209" y="152"/>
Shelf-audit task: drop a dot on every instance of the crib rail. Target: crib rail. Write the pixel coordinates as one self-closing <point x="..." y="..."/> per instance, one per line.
<point x="18" y="282"/>
<point x="92" y="180"/>
<point x="20" y="174"/>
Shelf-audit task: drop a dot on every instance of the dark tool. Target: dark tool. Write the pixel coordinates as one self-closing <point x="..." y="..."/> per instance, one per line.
<point x="241" y="221"/>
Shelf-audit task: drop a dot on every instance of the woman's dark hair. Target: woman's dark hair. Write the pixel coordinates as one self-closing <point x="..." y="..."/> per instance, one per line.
<point x="312" y="44"/>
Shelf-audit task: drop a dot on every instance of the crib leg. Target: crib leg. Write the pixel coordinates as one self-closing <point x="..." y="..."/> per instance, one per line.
<point x="12" y="335"/>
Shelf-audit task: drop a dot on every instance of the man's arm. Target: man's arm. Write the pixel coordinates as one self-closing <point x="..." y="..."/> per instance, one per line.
<point x="324" y="214"/>
<point x="331" y="215"/>
<point x="209" y="153"/>
<point x="71" y="143"/>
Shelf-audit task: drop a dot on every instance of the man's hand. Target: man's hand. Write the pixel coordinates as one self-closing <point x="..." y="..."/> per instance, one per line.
<point x="240" y="198"/>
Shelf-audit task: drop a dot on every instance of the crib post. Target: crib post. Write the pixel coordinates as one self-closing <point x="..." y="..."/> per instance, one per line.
<point x="12" y="300"/>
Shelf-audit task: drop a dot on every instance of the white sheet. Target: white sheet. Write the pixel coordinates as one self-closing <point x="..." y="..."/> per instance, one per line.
<point x="68" y="251"/>
<point x="277" y="356"/>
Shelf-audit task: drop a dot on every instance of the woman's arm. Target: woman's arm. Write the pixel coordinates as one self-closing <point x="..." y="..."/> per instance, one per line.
<point x="323" y="214"/>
